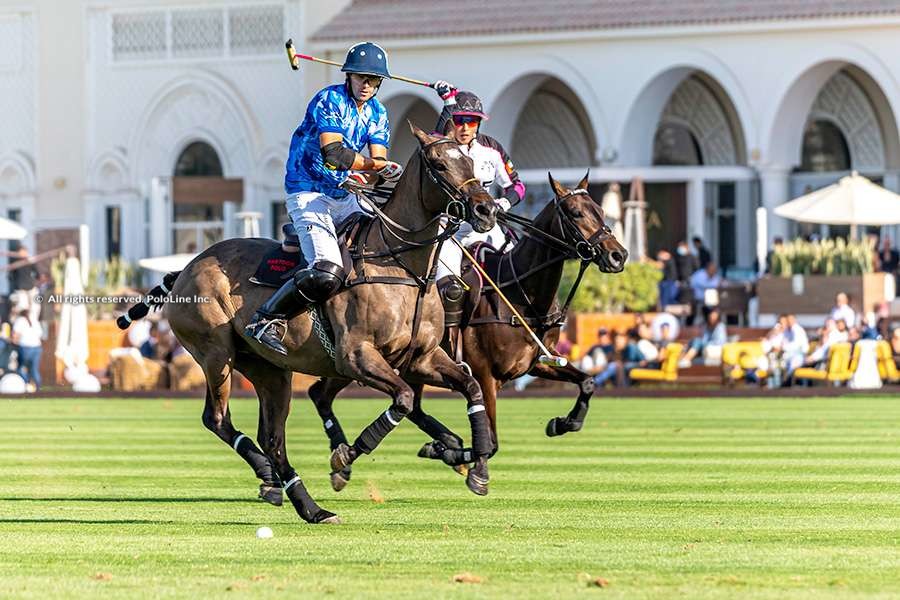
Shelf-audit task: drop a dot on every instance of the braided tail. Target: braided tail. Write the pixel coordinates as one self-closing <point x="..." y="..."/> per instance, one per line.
<point x="152" y="300"/>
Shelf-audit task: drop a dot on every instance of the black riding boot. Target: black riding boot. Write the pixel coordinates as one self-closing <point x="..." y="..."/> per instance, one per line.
<point x="453" y="296"/>
<point x="310" y="286"/>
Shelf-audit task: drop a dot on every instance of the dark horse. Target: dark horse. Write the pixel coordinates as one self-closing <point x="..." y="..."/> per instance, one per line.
<point x="373" y="324"/>
<point x="495" y="346"/>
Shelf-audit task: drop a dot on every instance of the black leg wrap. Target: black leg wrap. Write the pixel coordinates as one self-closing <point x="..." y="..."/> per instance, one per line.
<point x="254" y="457"/>
<point x="303" y="503"/>
<point x="435" y="429"/>
<point x="335" y="434"/>
<point x="481" y="432"/>
<point x="372" y="435"/>
<point x="457" y="456"/>
<point x="579" y="411"/>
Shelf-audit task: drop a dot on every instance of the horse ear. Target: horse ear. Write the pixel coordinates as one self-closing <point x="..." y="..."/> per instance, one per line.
<point x="558" y="188"/>
<point x="423" y="137"/>
<point x="583" y="184"/>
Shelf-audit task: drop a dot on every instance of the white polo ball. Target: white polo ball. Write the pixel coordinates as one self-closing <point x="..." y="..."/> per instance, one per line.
<point x="264" y="533"/>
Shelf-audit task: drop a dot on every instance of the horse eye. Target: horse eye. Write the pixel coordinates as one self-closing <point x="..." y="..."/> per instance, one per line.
<point x="440" y="167"/>
<point x="577" y="214"/>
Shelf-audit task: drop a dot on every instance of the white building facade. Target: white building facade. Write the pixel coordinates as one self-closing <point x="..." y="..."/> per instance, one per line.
<point x="157" y="122"/>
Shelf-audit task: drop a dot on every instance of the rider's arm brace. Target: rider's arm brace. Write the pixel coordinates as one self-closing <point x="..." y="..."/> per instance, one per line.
<point x="338" y="157"/>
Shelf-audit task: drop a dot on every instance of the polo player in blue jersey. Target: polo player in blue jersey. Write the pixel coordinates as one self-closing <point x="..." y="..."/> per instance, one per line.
<point x="341" y="120"/>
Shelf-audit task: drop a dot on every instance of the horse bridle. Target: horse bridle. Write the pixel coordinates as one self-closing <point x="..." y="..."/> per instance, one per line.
<point x="459" y="200"/>
<point x="573" y="244"/>
<point x="584" y="249"/>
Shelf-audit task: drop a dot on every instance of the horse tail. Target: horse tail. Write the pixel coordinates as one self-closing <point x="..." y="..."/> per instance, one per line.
<point x="153" y="300"/>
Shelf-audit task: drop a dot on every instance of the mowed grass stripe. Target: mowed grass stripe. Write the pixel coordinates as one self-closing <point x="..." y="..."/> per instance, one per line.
<point x="701" y="498"/>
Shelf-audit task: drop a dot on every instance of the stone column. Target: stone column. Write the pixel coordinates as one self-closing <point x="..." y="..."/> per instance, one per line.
<point x="774" y="188"/>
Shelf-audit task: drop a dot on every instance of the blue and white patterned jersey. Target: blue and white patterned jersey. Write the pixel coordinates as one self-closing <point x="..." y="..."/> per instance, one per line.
<point x="332" y="110"/>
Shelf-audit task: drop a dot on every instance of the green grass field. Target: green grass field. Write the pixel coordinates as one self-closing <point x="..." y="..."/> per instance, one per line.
<point x="699" y="498"/>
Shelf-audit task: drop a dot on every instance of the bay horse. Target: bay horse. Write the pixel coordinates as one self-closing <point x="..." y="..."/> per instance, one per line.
<point x="387" y="320"/>
<point x="494" y="345"/>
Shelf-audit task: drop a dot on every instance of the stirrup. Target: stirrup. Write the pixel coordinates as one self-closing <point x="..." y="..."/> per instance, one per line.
<point x="262" y="326"/>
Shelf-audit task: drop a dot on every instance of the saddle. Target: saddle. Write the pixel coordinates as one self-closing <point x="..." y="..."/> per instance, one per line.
<point x="283" y="261"/>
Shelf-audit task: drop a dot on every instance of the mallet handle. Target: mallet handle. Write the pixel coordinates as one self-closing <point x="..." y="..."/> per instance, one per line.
<point x="547" y="358"/>
<point x="294" y="57"/>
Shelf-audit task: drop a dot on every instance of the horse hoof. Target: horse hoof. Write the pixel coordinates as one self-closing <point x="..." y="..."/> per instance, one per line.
<point x="271" y="494"/>
<point x="324" y="517"/>
<point x="340" y="457"/>
<point x="478" y="485"/>
<point x="433" y="449"/>
<point x="462" y="469"/>
<point x="338" y="481"/>
<point x="552" y="427"/>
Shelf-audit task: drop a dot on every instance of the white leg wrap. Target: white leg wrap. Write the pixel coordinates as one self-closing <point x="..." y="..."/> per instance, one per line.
<point x="475" y="408"/>
<point x="292" y="482"/>
<point x="387" y="414"/>
<point x="237" y="441"/>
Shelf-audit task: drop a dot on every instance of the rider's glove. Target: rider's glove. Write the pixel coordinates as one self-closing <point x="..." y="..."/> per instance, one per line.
<point x="503" y="203"/>
<point x="446" y="91"/>
<point x="391" y="171"/>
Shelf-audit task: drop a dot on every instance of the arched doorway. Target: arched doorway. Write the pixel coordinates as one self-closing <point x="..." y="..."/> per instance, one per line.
<point x="552" y="131"/>
<point x="201" y="196"/>
<point x="698" y="127"/>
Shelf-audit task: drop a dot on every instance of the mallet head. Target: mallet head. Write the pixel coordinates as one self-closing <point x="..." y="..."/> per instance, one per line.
<point x="292" y="55"/>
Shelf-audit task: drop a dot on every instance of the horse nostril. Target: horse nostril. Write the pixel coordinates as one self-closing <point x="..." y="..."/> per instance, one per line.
<point x="617" y="258"/>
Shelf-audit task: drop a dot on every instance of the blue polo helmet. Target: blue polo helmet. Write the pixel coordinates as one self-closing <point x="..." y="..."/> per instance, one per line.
<point x="367" y="58"/>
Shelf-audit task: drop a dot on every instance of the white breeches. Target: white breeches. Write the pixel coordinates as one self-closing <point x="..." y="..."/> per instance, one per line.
<point x="450" y="259"/>
<point x="316" y="218"/>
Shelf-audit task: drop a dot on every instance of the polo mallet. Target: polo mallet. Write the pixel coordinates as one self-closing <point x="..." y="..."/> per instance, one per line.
<point x="294" y="57"/>
<point x="547" y="358"/>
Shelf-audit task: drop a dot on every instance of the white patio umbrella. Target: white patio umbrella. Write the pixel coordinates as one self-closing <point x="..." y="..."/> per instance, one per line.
<point x="10" y="230"/>
<point x="165" y="264"/>
<point x="854" y="200"/>
<point x="72" y="334"/>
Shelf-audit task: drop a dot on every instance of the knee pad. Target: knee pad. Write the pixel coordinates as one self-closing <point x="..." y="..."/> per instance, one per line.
<point x="451" y="291"/>
<point x="320" y="282"/>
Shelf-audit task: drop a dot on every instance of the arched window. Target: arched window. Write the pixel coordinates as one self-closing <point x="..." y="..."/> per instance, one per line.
<point x="552" y="130"/>
<point x="198" y="160"/>
<point x="674" y="144"/>
<point x="824" y="148"/>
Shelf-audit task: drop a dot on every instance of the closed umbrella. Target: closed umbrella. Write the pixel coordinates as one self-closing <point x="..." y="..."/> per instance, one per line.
<point x="72" y="334"/>
<point x="854" y="200"/>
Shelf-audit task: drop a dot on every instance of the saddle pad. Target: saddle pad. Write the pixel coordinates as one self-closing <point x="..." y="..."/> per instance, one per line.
<point x="276" y="266"/>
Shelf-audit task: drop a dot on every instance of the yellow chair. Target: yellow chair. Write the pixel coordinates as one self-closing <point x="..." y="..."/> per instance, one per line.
<point x="840" y="365"/>
<point x="887" y="368"/>
<point x="740" y="358"/>
<point x="668" y="371"/>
